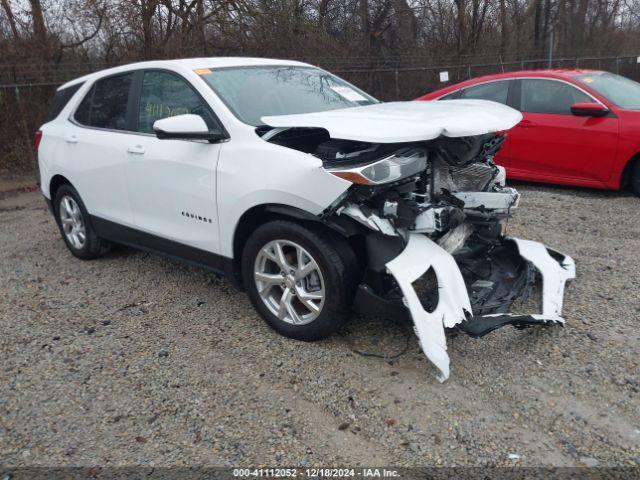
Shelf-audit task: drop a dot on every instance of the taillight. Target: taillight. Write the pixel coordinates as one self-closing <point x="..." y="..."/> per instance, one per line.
<point x="37" y="138"/>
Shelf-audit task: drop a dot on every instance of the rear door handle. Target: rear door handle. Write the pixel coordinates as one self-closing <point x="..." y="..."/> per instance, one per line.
<point x="137" y="149"/>
<point x="526" y="124"/>
<point x="72" y="138"/>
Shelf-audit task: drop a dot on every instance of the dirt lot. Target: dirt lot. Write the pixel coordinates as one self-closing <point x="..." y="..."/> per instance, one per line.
<point x="133" y="359"/>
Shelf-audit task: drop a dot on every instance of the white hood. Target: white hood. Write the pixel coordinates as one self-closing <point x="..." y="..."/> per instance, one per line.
<point x="406" y="121"/>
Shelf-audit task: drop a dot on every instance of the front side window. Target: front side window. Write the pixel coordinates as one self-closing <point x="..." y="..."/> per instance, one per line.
<point x="105" y="106"/>
<point x="255" y="92"/>
<point x="166" y="95"/>
<point x="621" y="91"/>
<point x="494" y="91"/>
<point x="549" y="96"/>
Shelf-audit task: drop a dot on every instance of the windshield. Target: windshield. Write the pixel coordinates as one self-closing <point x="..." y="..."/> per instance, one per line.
<point x="254" y="92"/>
<point x="619" y="90"/>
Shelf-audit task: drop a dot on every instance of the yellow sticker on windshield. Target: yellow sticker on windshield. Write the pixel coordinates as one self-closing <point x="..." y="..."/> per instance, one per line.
<point x="202" y="71"/>
<point x="587" y="80"/>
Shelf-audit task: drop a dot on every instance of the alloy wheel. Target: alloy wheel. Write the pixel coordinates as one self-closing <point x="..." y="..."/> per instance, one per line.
<point x="289" y="282"/>
<point x="72" y="222"/>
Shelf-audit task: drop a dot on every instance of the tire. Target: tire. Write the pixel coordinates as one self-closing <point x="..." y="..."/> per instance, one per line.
<point x="334" y="279"/>
<point x="634" y="179"/>
<point x="75" y="225"/>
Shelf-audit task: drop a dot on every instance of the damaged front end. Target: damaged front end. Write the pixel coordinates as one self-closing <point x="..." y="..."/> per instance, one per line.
<point x="429" y="218"/>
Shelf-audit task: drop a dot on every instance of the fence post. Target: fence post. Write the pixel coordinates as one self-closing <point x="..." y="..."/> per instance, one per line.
<point x="397" y="85"/>
<point x="618" y="65"/>
<point x="25" y="129"/>
<point x="469" y="71"/>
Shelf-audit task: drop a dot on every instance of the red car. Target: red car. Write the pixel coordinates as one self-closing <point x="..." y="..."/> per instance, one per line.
<point x="579" y="127"/>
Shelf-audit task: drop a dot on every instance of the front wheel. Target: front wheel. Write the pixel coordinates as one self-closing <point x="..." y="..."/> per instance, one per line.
<point x="300" y="280"/>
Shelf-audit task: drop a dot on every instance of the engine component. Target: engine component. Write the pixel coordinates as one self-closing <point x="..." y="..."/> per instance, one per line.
<point x="505" y="199"/>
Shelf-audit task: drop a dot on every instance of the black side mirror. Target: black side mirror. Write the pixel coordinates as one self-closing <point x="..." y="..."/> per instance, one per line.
<point x="187" y="127"/>
<point x="213" y="136"/>
<point x="589" y="109"/>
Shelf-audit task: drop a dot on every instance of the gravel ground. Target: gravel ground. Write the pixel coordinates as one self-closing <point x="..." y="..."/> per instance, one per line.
<point x="132" y="359"/>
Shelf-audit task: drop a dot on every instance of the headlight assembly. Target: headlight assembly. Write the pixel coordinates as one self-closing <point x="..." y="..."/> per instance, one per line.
<point x="401" y="164"/>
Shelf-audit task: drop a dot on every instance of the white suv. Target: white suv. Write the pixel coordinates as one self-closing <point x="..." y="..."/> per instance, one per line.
<point x="313" y="195"/>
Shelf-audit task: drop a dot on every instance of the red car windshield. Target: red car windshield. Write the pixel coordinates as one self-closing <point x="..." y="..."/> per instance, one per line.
<point x="617" y="89"/>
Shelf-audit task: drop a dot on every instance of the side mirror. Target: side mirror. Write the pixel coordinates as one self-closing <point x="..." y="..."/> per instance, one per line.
<point x="186" y="127"/>
<point x="589" y="109"/>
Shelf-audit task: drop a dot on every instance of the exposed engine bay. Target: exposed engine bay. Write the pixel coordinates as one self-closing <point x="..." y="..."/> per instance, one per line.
<point x="430" y="219"/>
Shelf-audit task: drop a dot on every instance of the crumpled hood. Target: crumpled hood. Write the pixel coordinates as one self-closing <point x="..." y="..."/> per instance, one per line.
<point x="396" y="122"/>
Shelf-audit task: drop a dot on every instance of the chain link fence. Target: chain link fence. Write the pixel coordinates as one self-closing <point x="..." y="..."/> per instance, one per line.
<point x="25" y="90"/>
<point x="405" y="83"/>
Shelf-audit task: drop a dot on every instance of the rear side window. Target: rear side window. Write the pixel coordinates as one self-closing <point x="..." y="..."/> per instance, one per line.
<point x="60" y="100"/>
<point x="450" y="96"/>
<point x="105" y="105"/>
<point x="494" y="91"/>
<point x="166" y="95"/>
<point x="550" y="96"/>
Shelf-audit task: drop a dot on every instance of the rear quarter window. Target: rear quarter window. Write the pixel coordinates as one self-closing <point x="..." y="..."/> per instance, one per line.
<point x="450" y="96"/>
<point x="495" y="91"/>
<point x="60" y="100"/>
<point x="105" y="105"/>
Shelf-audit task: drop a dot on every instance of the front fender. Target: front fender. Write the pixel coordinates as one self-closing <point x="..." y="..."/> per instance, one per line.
<point x="263" y="173"/>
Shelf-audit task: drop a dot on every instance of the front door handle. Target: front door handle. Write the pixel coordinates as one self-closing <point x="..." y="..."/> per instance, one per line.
<point x="72" y="138"/>
<point x="526" y="124"/>
<point x="137" y="149"/>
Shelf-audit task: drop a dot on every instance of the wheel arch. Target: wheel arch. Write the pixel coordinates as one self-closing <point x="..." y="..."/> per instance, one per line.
<point x="55" y="183"/>
<point x="261" y="214"/>
<point x="625" y="177"/>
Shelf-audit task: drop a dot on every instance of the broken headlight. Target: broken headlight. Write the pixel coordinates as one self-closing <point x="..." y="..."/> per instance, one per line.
<point x="401" y="164"/>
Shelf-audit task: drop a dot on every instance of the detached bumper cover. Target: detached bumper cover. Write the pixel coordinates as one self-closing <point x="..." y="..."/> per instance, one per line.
<point x="555" y="268"/>
<point x="454" y="307"/>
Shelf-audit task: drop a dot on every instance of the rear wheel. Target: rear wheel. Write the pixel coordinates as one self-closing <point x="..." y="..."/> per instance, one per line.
<point x="300" y="280"/>
<point x="635" y="177"/>
<point x="75" y="226"/>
